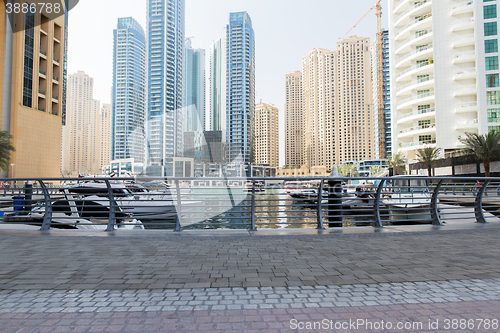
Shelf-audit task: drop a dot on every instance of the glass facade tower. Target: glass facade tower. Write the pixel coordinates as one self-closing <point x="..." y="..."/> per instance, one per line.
<point x="240" y="86"/>
<point x="129" y="88"/>
<point x="165" y="80"/>
<point x="194" y="89"/>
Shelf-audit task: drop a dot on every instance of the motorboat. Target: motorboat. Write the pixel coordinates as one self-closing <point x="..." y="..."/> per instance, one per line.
<point x="409" y="201"/>
<point x="259" y="187"/>
<point x="69" y="213"/>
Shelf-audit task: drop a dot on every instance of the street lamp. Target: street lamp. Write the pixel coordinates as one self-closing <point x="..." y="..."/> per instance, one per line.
<point x="12" y="165"/>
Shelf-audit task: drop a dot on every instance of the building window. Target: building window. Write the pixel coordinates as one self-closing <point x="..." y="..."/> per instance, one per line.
<point x="495" y="129"/>
<point x="492" y="80"/>
<point x="491" y="46"/>
<point x="493" y="97"/>
<point x="490" y="11"/>
<point x="493" y="115"/>
<point x="491" y="63"/>
<point x="29" y="41"/>
<point x="490" y="29"/>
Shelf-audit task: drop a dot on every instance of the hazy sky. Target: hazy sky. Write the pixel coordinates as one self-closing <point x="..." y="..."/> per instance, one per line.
<point x="285" y="30"/>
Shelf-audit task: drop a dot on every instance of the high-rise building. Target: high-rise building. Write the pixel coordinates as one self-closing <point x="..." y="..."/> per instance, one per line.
<point x="386" y="120"/>
<point x="129" y="89"/>
<point x="217" y="91"/>
<point x="81" y="140"/>
<point x="266" y="135"/>
<point x="32" y="74"/>
<point x="337" y="103"/>
<point x="105" y="134"/>
<point x="316" y="72"/>
<point x="240" y="86"/>
<point x="444" y="65"/>
<point x="352" y="100"/>
<point x="194" y="89"/>
<point x="165" y="78"/>
<point x="294" y="121"/>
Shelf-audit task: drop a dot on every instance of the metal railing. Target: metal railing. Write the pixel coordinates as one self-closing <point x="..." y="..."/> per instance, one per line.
<point x="247" y="203"/>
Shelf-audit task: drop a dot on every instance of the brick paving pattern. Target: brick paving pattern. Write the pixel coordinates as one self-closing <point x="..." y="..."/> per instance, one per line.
<point x="192" y="282"/>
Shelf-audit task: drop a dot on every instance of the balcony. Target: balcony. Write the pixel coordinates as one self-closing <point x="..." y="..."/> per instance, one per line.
<point x="466" y="107"/>
<point x="472" y="90"/>
<point x="419" y="7"/>
<point x="467" y="7"/>
<point x="42" y="72"/>
<point x="41" y="109"/>
<point x="464" y="57"/>
<point x="464" y="74"/>
<point x="419" y="83"/>
<point x="56" y="59"/>
<point x="400" y="47"/>
<point x="410" y="131"/>
<point x="418" y="145"/>
<point x="414" y="99"/>
<point x="42" y="52"/>
<point x="55" y="78"/>
<point x="461" y="25"/>
<point x="415" y="25"/>
<point x="465" y="40"/>
<point x="416" y="69"/>
<point x="41" y="92"/>
<point x="467" y="124"/>
<point x="407" y="117"/>
<point x="55" y="98"/>
<point x="417" y="53"/>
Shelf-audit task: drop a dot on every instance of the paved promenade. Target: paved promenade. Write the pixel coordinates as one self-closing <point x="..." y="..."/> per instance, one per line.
<point x="345" y="280"/>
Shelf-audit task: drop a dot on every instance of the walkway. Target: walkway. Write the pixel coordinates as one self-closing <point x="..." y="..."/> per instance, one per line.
<point x="264" y="281"/>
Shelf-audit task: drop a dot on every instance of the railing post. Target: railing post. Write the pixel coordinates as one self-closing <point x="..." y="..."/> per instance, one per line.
<point x="320" y="206"/>
<point x="178" y="224"/>
<point x="378" y="195"/>
<point x="252" y="208"/>
<point x="478" y="204"/>
<point x="112" y="208"/>
<point x="47" y="217"/>
<point x="436" y="220"/>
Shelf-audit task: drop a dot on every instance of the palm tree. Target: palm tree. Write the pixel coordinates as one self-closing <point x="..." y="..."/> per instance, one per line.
<point x="483" y="147"/>
<point x="396" y="161"/>
<point x="5" y="148"/>
<point x="375" y="169"/>
<point x="428" y="156"/>
<point x="347" y="170"/>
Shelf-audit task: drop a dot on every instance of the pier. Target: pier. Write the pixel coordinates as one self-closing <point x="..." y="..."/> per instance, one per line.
<point x="266" y="280"/>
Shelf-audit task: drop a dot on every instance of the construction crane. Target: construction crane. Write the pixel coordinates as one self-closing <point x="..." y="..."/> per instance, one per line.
<point x="380" y="74"/>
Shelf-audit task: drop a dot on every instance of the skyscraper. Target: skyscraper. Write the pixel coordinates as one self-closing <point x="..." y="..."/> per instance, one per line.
<point x="217" y="91"/>
<point x="81" y="144"/>
<point x="444" y="65"/>
<point x="266" y="135"/>
<point x="33" y="75"/>
<point x="353" y="100"/>
<point x="105" y="134"/>
<point x="129" y="88"/>
<point x="294" y="121"/>
<point x="165" y="78"/>
<point x="194" y="89"/>
<point x="240" y="86"/>
<point x="386" y="120"/>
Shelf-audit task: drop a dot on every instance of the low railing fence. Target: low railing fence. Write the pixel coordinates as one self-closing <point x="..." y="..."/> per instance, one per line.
<point x="247" y="203"/>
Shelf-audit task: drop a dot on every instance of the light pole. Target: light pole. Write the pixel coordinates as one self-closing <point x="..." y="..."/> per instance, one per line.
<point x="12" y="165"/>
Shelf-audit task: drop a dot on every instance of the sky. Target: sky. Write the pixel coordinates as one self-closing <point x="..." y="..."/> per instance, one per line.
<point x="285" y="30"/>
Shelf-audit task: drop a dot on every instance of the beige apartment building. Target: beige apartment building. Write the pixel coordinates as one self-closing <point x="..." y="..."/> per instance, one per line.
<point x="266" y="134"/>
<point x="105" y="134"/>
<point x="294" y="121"/>
<point x="352" y="100"/>
<point x="337" y="103"/>
<point x="32" y="76"/>
<point x="81" y="139"/>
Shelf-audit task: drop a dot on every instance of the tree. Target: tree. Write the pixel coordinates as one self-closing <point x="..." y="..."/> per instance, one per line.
<point x="375" y="169"/>
<point x="347" y="170"/>
<point x="5" y="148"/>
<point x="396" y="161"/>
<point x="483" y="147"/>
<point x="428" y="156"/>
